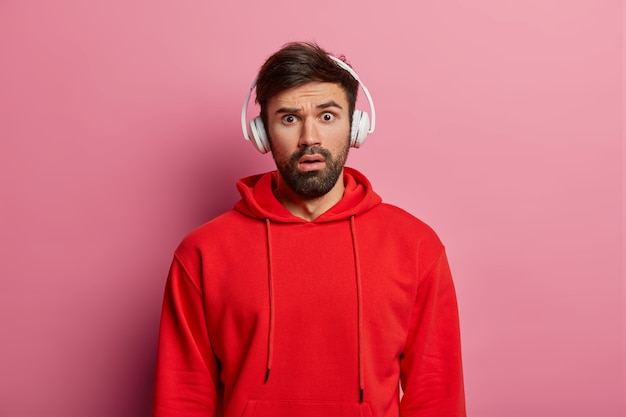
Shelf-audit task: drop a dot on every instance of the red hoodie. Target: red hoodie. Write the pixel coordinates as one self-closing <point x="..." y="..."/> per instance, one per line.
<point x="267" y="314"/>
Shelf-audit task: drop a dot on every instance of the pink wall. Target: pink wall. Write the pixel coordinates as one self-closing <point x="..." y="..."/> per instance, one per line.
<point x="500" y="124"/>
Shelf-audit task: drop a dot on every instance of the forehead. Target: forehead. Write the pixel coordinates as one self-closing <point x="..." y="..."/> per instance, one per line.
<point x="313" y="93"/>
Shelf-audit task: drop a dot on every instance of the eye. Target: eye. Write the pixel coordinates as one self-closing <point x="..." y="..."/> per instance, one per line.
<point x="289" y="119"/>
<point x="328" y="117"/>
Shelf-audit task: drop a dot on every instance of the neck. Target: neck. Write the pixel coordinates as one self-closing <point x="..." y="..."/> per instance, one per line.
<point x="308" y="208"/>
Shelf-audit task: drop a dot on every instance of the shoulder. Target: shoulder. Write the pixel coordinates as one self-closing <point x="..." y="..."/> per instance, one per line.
<point x="390" y="227"/>
<point x="225" y="230"/>
<point x="401" y="219"/>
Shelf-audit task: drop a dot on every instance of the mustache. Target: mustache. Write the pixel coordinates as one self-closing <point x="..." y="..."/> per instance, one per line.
<point x="311" y="150"/>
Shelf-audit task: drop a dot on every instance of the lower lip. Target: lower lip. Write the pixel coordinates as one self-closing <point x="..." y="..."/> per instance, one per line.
<point x="311" y="166"/>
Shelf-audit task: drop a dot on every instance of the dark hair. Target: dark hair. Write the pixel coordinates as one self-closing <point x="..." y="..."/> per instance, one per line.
<point x="298" y="63"/>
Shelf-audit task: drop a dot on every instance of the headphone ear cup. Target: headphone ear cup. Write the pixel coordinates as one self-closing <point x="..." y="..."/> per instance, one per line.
<point x="360" y="128"/>
<point x="258" y="135"/>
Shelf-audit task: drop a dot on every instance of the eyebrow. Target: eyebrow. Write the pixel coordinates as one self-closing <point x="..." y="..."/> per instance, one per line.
<point x="328" y="104"/>
<point x="324" y="105"/>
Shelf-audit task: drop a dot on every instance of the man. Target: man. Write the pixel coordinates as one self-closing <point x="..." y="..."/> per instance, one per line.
<point x="311" y="297"/>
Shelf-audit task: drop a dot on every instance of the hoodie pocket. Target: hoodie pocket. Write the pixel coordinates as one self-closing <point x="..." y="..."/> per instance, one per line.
<point x="259" y="408"/>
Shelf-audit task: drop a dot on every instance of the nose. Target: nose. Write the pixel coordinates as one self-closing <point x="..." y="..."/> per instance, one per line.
<point x="309" y="134"/>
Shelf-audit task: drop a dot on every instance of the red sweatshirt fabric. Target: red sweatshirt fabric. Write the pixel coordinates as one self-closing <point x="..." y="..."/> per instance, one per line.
<point x="267" y="314"/>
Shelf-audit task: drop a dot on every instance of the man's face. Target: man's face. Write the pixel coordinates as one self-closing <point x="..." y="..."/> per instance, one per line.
<point x="309" y="129"/>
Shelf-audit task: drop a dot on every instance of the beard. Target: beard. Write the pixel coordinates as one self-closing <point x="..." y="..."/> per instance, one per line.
<point x="313" y="184"/>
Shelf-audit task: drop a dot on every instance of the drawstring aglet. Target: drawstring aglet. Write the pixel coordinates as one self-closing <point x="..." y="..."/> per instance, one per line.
<point x="267" y="375"/>
<point x="361" y="395"/>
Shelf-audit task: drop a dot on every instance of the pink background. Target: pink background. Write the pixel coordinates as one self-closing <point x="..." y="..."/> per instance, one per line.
<point x="500" y="123"/>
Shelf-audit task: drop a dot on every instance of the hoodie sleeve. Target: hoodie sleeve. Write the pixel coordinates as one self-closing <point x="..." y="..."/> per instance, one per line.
<point x="187" y="370"/>
<point x="431" y="371"/>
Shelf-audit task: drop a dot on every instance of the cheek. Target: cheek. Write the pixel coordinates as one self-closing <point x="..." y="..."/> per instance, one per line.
<point x="282" y="135"/>
<point x="338" y="137"/>
<point x="277" y="140"/>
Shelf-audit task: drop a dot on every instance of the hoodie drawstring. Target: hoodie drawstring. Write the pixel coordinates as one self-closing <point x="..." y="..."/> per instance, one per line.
<point x="359" y="301"/>
<point x="270" y="283"/>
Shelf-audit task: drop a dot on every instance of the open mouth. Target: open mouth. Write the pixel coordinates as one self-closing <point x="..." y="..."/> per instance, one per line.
<point x="311" y="159"/>
<point x="312" y="162"/>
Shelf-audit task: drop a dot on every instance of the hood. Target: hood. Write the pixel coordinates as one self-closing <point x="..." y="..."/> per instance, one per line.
<point x="258" y="201"/>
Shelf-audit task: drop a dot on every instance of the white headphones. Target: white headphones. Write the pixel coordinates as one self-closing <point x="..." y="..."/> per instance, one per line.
<point x="359" y="130"/>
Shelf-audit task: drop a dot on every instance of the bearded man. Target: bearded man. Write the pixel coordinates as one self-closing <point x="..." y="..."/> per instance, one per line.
<point x="311" y="297"/>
